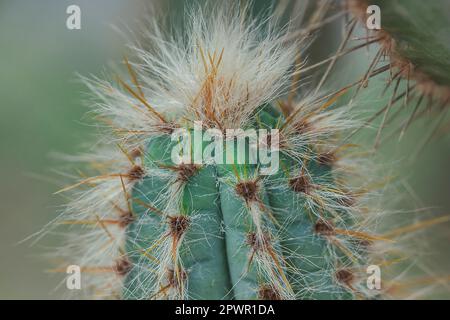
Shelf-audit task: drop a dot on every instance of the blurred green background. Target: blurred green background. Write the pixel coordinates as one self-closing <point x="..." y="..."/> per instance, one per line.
<point x="41" y="112"/>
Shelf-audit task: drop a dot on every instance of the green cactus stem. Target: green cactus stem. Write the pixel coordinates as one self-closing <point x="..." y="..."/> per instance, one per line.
<point x="236" y="234"/>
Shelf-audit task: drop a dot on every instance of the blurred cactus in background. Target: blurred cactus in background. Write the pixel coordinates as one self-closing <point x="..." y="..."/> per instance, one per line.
<point x="415" y="34"/>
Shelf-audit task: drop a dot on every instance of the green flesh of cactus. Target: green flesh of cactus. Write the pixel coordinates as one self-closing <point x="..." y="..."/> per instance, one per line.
<point x="421" y="30"/>
<point x="215" y="250"/>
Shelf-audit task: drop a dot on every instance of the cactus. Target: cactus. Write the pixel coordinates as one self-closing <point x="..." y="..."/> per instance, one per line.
<point x="156" y="228"/>
<point x="414" y="34"/>
<point x="229" y="229"/>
